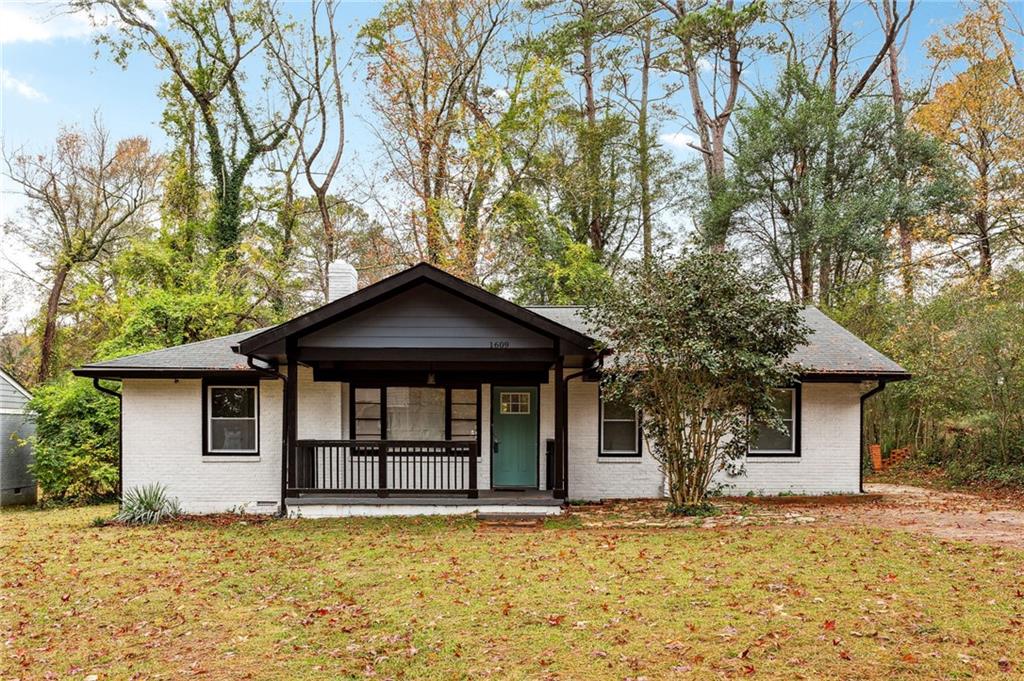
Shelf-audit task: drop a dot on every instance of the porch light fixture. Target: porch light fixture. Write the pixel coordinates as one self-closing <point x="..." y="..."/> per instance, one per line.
<point x="430" y="378"/>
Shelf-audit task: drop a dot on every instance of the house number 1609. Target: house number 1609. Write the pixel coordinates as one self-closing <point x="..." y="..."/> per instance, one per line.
<point x="499" y="344"/>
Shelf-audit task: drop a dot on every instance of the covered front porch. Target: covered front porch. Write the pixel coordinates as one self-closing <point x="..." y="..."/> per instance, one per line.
<point x="423" y="394"/>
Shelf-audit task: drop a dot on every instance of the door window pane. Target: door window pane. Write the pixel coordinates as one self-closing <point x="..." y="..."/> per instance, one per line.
<point x="515" y="403"/>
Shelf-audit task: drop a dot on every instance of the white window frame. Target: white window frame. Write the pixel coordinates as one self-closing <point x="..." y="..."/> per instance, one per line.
<point x="210" y="418"/>
<point x="791" y="422"/>
<point x="601" y="420"/>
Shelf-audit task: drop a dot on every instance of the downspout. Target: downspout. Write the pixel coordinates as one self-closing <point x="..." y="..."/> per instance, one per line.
<point x="273" y="373"/>
<point x="564" y="389"/>
<point x="120" y="434"/>
<point x="863" y="398"/>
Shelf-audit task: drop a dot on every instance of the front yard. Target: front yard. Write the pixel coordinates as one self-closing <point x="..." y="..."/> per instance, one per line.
<point x="300" y="599"/>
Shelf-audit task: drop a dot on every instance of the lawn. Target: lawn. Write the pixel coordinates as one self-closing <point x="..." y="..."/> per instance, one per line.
<point x="448" y="598"/>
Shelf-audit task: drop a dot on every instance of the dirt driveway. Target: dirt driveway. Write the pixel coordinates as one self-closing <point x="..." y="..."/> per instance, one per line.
<point x="949" y="515"/>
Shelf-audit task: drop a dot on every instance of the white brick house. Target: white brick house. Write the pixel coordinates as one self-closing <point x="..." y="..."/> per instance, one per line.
<point x="425" y="394"/>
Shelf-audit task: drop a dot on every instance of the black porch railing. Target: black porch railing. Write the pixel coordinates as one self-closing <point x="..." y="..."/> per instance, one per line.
<point x="382" y="467"/>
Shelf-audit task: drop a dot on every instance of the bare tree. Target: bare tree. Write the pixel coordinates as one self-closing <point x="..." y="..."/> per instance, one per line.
<point x="85" y="199"/>
<point x="323" y="118"/>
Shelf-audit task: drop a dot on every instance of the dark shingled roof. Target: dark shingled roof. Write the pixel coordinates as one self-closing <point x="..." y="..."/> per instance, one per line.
<point x="201" y="357"/>
<point x="830" y="350"/>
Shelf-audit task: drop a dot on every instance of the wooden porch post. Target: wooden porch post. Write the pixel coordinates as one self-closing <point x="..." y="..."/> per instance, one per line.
<point x="561" y="468"/>
<point x="292" y="404"/>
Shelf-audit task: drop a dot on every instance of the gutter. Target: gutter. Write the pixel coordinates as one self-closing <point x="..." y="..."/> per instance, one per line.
<point x="273" y="373"/>
<point x="120" y="434"/>
<point x="863" y="398"/>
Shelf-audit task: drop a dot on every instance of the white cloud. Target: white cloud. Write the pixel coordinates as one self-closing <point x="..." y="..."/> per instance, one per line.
<point x="679" y="141"/>
<point x="12" y="84"/>
<point x="31" y="22"/>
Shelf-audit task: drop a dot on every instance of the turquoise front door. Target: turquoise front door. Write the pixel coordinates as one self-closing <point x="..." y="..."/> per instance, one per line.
<point x="514" y="433"/>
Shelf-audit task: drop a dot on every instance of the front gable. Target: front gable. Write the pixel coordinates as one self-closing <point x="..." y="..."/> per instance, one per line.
<point x="426" y="316"/>
<point x="422" y="308"/>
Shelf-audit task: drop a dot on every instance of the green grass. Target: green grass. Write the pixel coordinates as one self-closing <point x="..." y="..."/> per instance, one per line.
<point x="442" y="598"/>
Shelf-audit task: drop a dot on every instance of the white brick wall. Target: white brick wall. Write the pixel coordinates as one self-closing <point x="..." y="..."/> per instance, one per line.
<point x="163" y="433"/>
<point x="829" y="458"/>
<point x="592" y="477"/>
<point x="163" y="444"/>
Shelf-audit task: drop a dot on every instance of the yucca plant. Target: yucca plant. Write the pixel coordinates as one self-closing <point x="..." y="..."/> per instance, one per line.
<point x="147" y="505"/>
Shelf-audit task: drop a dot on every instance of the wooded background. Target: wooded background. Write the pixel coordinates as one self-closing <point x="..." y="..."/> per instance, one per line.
<point x="521" y="147"/>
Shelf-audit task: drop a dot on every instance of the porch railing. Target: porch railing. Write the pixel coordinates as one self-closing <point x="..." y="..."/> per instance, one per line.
<point x="382" y="467"/>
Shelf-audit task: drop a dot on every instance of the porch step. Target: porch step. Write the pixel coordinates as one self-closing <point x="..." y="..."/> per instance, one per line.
<point x="525" y="519"/>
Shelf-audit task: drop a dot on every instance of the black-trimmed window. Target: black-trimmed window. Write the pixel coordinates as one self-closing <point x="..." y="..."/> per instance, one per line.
<point x="768" y="441"/>
<point x="231" y="419"/>
<point x="619" y="429"/>
<point x="422" y="413"/>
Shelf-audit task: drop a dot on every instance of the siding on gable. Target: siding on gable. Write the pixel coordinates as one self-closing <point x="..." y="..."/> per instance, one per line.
<point x="11" y="399"/>
<point x="425" y="317"/>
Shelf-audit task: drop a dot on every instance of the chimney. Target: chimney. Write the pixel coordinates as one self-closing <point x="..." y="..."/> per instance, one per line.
<point x="341" y="280"/>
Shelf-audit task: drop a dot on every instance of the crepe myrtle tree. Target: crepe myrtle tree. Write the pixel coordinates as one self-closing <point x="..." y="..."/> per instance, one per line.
<point x="697" y="345"/>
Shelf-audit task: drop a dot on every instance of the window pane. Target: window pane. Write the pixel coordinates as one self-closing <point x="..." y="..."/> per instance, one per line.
<point x="367" y="411"/>
<point x="772" y="440"/>
<point x="784" y="403"/>
<point x="368" y="395"/>
<point x="463" y="396"/>
<point x="463" y="430"/>
<point x="232" y="402"/>
<point x="464" y="411"/>
<point x="619" y="436"/>
<point x="232" y="435"/>
<point x="415" y="413"/>
<point x="618" y="410"/>
<point x="367" y="428"/>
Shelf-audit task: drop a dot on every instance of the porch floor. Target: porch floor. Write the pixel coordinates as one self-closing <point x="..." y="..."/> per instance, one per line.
<point x="493" y="497"/>
<point x="505" y="502"/>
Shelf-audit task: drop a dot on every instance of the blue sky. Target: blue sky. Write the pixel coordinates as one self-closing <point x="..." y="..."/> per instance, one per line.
<point x="52" y="76"/>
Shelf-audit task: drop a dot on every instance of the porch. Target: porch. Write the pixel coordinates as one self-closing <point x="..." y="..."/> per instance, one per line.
<point x="426" y="393"/>
<point x="525" y="503"/>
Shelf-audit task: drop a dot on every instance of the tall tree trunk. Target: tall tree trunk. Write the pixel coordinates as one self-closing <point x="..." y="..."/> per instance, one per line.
<point x="904" y="231"/>
<point x="825" y="272"/>
<point x="806" y="275"/>
<point x="984" y="244"/>
<point x="50" y="323"/>
<point x="595" y="228"/>
<point x="981" y="215"/>
<point x="644" y="146"/>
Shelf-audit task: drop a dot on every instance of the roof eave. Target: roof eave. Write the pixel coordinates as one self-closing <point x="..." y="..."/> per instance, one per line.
<point x="117" y="373"/>
<point x="847" y="376"/>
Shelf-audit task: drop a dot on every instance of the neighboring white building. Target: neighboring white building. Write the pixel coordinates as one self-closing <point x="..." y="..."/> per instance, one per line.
<point x="425" y="394"/>
<point x="17" y="484"/>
